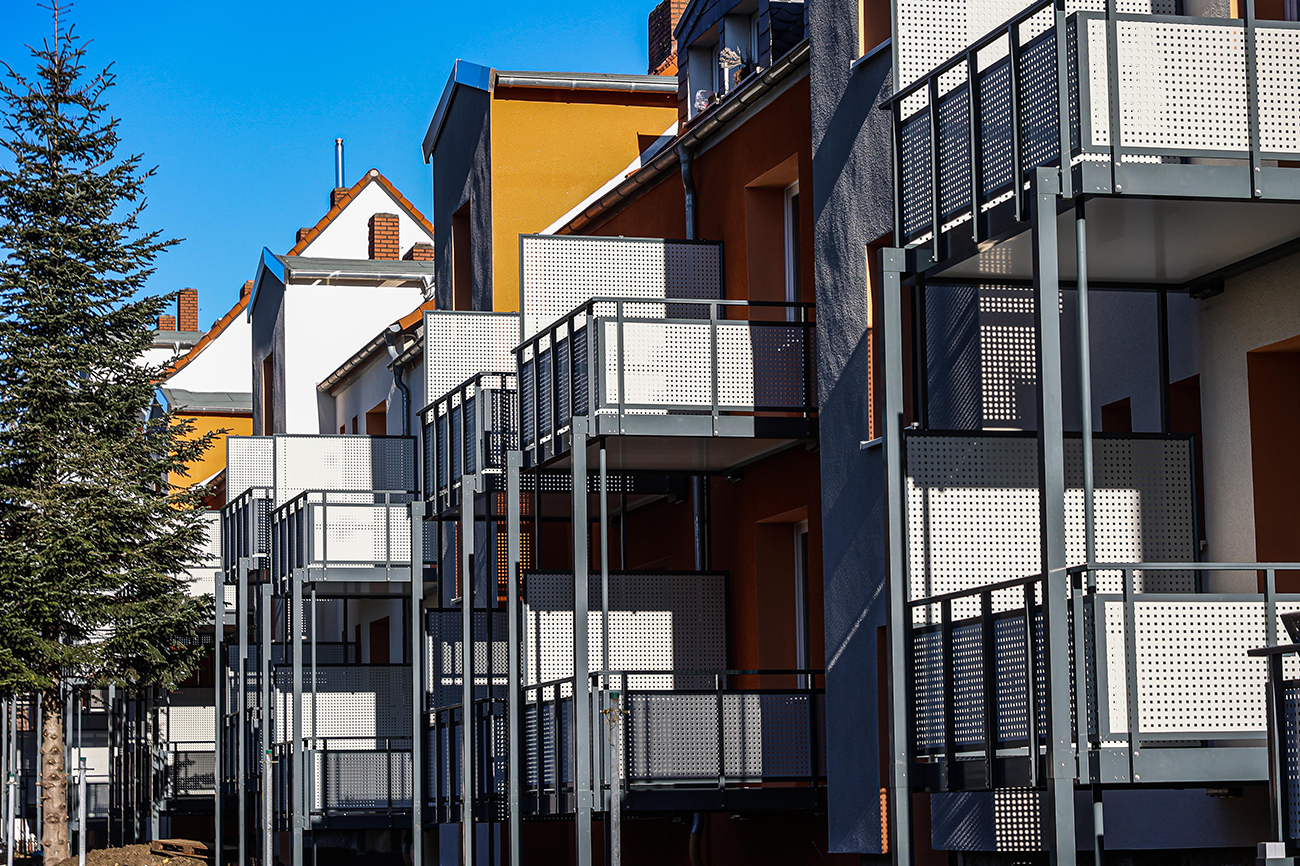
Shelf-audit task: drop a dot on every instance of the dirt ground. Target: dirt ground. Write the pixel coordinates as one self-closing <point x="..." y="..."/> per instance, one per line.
<point x="131" y="855"/>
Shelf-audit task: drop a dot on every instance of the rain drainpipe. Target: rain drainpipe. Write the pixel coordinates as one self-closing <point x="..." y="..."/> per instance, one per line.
<point x="390" y="337"/>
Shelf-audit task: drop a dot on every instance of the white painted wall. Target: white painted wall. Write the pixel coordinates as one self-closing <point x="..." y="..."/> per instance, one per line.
<point x="323" y="326"/>
<point x="225" y="364"/>
<point x="348" y="236"/>
<point x="1256" y="309"/>
<point x="364" y="391"/>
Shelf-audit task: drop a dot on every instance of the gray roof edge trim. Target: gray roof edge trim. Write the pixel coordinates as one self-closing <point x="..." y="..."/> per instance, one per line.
<point x="588" y="81"/>
<point x="724" y="113"/>
<point x="268" y="263"/>
<point x="465" y="74"/>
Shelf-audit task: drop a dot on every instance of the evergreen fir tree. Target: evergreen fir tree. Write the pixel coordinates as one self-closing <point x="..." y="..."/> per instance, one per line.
<point x="94" y="540"/>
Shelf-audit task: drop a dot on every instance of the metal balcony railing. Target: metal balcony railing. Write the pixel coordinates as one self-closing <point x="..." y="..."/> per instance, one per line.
<point x="666" y="367"/>
<point x="1283" y="663"/>
<point x="345" y="777"/>
<point x="734" y="744"/>
<point x="467" y="432"/>
<point x="1109" y="89"/>
<point x="191" y="769"/>
<point x="445" y="788"/>
<point x="359" y="535"/>
<point x="244" y="534"/>
<point x="1161" y="685"/>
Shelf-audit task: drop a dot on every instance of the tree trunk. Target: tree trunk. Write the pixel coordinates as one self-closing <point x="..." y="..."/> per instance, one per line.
<point x="54" y="781"/>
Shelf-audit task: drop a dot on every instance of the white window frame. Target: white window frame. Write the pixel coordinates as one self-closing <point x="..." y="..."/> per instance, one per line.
<point x="791" y="244"/>
<point x="754" y="22"/>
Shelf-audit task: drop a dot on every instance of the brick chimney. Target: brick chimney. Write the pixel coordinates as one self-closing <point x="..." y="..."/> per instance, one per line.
<point x="188" y="310"/>
<point x="300" y="236"/>
<point x="337" y="193"/>
<point x="246" y="289"/>
<point x="384" y="243"/>
<point x="419" y="253"/>
<point x="663" y="48"/>
<point x="166" y="323"/>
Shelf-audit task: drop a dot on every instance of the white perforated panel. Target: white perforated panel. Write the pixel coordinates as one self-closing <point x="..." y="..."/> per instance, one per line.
<point x="657" y="621"/>
<point x="1193" y="673"/>
<point x="360" y="463"/>
<point x="462" y="344"/>
<point x="1277" y="65"/>
<point x="671" y="365"/>
<point x="357" y="702"/>
<point x="560" y="273"/>
<point x="361" y="534"/>
<point x="250" y="462"/>
<point x="972" y="504"/>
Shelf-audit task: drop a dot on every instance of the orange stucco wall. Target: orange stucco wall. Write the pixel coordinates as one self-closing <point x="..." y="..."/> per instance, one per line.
<point x="214" y="460"/>
<point x="550" y="150"/>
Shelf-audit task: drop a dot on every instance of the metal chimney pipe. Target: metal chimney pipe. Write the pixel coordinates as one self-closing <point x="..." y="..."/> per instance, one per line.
<point x="338" y="163"/>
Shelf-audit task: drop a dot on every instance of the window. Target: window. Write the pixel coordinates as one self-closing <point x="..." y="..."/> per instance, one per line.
<point x="377" y="420"/>
<point x="754" y="23"/>
<point x="354" y="425"/>
<point x="462" y="261"/>
<point x="873" y="25"/>
<point x="268" y="395"/>
<point x="719" y="77"/>
<point x="792" y="257"/>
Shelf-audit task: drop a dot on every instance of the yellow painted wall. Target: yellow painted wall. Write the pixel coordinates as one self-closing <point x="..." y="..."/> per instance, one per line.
<point x="549" y="154"/>
<point x="215" y="459"/>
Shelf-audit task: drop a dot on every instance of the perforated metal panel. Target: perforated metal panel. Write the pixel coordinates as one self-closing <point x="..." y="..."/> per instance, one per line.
<point x="1193" y="673"/>
<point x="672" y="365"/>
<point x="1277" y="64"/>
<point x="445" y="656"/>
<point x="657" y="621"/>
<point x="250" y="462"/>
<point x="352" y="702"/>
<point x="461" y="344"/>
<point x="972" y="506"/>
<point x="1291" y="755"/>
<point x="561" y="272"/>
<point x="361" y="463"/>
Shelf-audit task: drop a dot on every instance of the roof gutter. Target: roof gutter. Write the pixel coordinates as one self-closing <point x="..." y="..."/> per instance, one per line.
<point x="708" y="127"/>
<point x="354" y="275"/>
<point x="352" y="364"/>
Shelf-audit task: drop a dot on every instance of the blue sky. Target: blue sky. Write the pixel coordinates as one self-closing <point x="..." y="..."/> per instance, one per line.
<point x="239" y="103"/>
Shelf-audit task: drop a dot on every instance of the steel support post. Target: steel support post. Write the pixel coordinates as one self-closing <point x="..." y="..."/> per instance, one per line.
<point x="467" y="501"/>
<point x="893" y="263"/>
<point x="218" y="700"/>
<point x="514" y="460"/>
<point x="581" y="663"/>
<point x="417" y="683"/>
<point x="268" y="783"/>
<point x="1051" y="510"/>
<point x="241" y="747"/>
<point x="293" y="644"/>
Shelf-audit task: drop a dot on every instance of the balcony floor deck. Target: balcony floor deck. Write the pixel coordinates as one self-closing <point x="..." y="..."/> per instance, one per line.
<point x="1168" y="227"/>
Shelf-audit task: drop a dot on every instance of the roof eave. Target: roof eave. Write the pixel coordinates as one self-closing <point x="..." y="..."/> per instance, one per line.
<point x="464" y="74"/>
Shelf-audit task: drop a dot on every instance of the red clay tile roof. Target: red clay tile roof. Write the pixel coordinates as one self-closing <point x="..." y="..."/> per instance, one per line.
<point x="373" y="175"/>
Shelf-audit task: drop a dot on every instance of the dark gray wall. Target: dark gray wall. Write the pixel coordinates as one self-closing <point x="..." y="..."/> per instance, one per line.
<point x="268" y="337"/>
<point x="462" y="165"/>
<point x="853" y="207"/>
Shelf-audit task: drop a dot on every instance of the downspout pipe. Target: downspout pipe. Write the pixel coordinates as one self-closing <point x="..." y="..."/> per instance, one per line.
<point x="686" y="156"/>
<point x="390" y="337"/>
<point x="699" y="506"/>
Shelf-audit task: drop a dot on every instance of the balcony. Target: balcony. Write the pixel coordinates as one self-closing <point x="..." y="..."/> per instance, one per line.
<point x="663" y="372"/>
<point x="1161" y="687"/>
<point x="356" y="741"/>
<point x="727" y="744"/>
<point x="468" y="432"/>
<point x="343" y="536"/>
<point x="1180" y="129"/>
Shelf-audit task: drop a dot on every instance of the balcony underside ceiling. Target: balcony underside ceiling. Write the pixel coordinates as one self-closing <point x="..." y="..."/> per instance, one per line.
<point x="1144" y="240"/>
<point x="678" y="454"/>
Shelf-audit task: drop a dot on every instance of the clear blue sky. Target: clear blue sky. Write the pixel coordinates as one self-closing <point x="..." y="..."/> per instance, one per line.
<point x="239" y="103"/>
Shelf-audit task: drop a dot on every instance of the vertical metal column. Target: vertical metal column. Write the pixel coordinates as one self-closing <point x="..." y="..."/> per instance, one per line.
<point x="514" y="460"/>
<point x="1051" y="511"/>
<point x="467" y="500"/>
<point x="219" y="680"/>
<point x="268" y="783"/>
<point x="893" y="263"/>
<point x="581" y="663"/>
<point x="417" y="683"/>
<point x="241" y="747"/>
<point x="604" y="567"/>
<point x="294" y="619"/>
